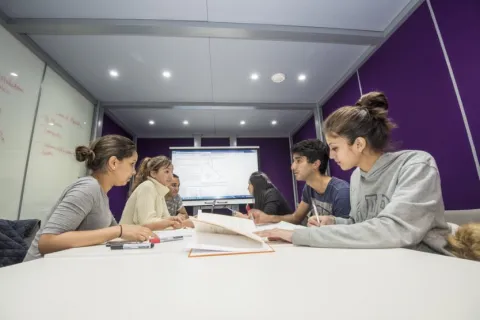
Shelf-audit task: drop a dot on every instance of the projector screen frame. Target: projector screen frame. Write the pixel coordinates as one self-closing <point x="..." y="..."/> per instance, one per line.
<point x="219" y="201"/>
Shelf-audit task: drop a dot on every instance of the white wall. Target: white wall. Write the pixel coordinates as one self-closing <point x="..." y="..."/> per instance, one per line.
<point x="42" y="120"/>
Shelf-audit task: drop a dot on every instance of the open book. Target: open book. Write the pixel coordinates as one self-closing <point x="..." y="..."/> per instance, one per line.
<point x="217" y="234"/>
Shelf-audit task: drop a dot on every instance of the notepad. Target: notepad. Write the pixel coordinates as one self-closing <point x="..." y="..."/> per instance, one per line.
<point x="223" y="235"/>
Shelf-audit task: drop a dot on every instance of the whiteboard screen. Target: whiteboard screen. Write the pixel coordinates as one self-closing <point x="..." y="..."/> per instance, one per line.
<point x="64" y="121"/>
<point x="220" y="173"/>
<point x="20" y="77"/>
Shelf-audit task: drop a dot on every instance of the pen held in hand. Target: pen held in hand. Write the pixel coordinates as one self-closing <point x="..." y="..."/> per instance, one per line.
<point x="316" y="214"/>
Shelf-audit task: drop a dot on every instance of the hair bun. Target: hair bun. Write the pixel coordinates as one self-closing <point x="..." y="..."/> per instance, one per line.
<point x="373" y="100"/>
<point x="83" y="153"/>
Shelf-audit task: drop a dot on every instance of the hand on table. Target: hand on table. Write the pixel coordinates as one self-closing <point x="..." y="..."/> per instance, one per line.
<point x="276" y="234"/>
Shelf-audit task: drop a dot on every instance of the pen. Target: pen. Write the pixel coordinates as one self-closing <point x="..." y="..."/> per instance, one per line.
<point x="167" y="239"/>
<point x="316" y="213"/>
<point x="132" y="246"/>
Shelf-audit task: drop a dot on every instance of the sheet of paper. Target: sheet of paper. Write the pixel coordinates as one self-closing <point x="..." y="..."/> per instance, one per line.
<point x="234" y="223"/>
<point x="209" y="243"/>
<point x="281" y="225"/>
<point x="220" y="224"/>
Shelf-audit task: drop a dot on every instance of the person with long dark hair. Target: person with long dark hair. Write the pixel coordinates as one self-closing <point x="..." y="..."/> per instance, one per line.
<point x="267" y="197"/>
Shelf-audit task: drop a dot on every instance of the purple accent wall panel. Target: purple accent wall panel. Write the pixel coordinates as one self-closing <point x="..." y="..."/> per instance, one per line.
<point x="215" y="142"/>
<point x="411" y="70"/>
<point x="347" y="95"/>
<point x="117" y="196"/>
<point x="459" y="24"/>
<point x="307" y="131"/>
<point x="274" y="158"/>
<point x="151" y="147"/>
<point x="111" y="127"/>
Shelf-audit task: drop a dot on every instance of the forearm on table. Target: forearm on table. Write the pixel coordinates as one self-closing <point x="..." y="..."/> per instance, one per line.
<point x="49" y="243"/>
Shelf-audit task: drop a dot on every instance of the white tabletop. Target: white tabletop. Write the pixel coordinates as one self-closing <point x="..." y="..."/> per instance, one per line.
<point x="292" y="283"/>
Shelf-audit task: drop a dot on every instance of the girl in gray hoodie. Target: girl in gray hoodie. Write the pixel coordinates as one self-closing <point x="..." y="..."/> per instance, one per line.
<point x="396" y="197"/>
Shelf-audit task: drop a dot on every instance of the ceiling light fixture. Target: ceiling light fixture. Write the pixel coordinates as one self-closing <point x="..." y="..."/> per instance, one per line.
<point x="278" y="77"/>
<point x="274" y="122"/>
<point x="113" y="73"/>
<point x="185" y="122"/>
<point x="242" y="123"/>
<point x="166" y="74"/>
<point x="254" y="76"/>
<point x="13" y="74"/>
<point x="302" y="77"/>
<point x="151" y="122"/>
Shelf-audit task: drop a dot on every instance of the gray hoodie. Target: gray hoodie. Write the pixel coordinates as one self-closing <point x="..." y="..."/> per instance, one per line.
<point x="397" y="204"/>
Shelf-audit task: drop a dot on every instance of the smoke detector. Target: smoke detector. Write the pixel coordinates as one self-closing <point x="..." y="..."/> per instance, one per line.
<point x="278" y="77"/>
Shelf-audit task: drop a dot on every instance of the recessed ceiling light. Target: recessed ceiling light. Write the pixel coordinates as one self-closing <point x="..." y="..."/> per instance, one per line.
<point x="185" y="122"/>
<point x="84" y="122"/>
<point x="166" y="74"/>
<point x="278" y="77"/>
<point x="242" y="123"/>
<point x="151" y="122"/>
<point x="254" y="76"/>
<point x="51" y="124"/>
<point x="113" y="73"/>
<point x="13" y="74"/>
<point x="274" y="122"/>
<point x="302" y="77"/>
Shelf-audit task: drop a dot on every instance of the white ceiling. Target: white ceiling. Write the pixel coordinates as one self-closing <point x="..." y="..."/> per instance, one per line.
<point x="347" y="14"/>
<point x="211" y="47"/>
<point x="211" y="123"/>
<point x="140" y="60"/>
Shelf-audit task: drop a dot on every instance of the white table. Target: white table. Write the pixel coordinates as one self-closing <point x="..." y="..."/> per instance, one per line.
<point x="292" y="283"/>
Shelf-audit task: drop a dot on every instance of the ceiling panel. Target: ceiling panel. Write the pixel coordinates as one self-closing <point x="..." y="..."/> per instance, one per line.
<point x="109" y="9"/>
<point x="140" y="61"/>
<point x="372" y="15"/>
<point x="220" y="123"/>
<point x="234" y="60"/>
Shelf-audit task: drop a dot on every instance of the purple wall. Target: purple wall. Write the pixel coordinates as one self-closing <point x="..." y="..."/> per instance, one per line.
<point x="117" y="195"/>
<point x="348" y="94"/>
<point x="307" y="131"/>
<point x="215" y="142"/>
<point x="152" y="147"/>
<point x="457" y="20"/>
<point x="410" y="68"/>
<point x="274" y="158"/>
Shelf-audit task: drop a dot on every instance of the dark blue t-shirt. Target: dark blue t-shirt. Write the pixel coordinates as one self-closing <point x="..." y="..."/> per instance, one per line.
<point x="334" y="201"/>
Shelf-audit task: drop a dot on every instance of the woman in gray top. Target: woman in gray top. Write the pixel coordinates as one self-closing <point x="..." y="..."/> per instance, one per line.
<point x="81" y="217"/>
<point x="396" y="197"/>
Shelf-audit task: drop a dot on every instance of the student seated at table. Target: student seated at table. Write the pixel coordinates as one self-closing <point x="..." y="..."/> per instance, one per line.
<point x="396" y="197"/>
<point x="267" y="197"/>
<point x="464" y="242"/>
<point x="146" y="205"/>
<point x="174" y="201"/>
<point x="81" y="217"/>
<point x="175" y="205"/>
<point x="329" y="195"/>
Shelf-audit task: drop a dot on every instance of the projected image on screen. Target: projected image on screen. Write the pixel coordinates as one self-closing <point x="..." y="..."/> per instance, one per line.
<point x="207" y="174"/>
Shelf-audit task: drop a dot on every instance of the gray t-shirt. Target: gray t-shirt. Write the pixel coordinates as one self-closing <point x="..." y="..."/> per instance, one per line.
<point x="174" y="204"/>
<point x="82" y="206"/>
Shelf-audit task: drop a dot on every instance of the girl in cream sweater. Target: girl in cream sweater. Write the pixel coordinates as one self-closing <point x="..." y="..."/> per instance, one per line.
<point x="146" y="205"/>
